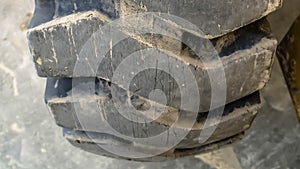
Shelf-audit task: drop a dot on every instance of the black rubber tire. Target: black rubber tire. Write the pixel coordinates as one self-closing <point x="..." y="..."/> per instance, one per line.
<point x="236" y="30"/>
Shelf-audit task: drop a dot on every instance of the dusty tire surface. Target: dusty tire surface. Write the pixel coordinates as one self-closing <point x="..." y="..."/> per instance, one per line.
<point x="237" y="31"/>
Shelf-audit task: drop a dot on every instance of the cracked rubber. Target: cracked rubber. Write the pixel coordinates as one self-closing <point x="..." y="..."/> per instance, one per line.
<point x="87" y="110"/>
<point x="215" y="18"/>
<point x="81" y="101"/>
<point x="250" y="49"/>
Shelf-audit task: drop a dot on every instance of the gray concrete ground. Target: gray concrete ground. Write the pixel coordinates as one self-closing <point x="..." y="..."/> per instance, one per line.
<point x="29" y="138"/>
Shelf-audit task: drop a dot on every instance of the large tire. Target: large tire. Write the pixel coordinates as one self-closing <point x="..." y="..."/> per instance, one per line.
<point x="59" y="30"/>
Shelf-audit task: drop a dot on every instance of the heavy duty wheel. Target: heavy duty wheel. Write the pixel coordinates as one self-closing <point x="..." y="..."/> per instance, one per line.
<point x="81" y="91"/>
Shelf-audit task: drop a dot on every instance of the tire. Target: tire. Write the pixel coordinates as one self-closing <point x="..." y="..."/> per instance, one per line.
<point x="59" y="30"/>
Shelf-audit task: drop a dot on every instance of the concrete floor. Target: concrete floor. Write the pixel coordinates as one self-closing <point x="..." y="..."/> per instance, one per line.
<point x="29" y="138"/>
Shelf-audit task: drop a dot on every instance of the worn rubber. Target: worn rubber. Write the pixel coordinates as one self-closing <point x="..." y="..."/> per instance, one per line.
<point x="56" y="45"/>
<point x="87" y="110"/>
<point x="81" y="101"/>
